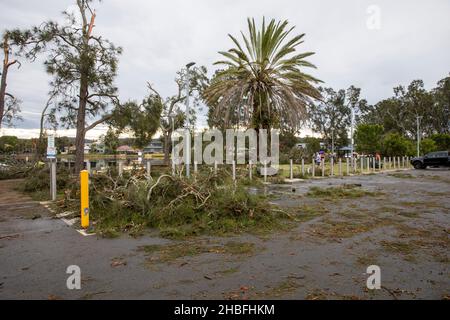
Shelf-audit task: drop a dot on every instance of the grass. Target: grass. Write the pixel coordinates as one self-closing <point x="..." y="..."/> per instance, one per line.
<point x="172" y="252"/>
<point x="282" y="289"/>
<point x="402" y="175"/>
<point x="340" y="192"/>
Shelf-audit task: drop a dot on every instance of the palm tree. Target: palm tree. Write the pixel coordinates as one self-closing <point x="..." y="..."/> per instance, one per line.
<point x="262" y="84"/>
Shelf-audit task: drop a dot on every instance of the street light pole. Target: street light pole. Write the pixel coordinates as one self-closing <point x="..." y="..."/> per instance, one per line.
<point x="351" y="134"/>
<point x="418" y="135"/>
<point x="188" y="122"/>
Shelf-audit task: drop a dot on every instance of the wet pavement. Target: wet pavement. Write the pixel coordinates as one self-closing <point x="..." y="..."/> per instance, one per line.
<point x="403" y="228"/>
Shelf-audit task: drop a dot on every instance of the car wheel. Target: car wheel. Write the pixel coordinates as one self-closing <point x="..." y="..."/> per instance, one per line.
<point x="418" y="165"/>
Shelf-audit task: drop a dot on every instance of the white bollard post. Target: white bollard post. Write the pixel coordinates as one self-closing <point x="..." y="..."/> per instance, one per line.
<point x="332" y="166"/>
<point x="323" y="167"/>
<point x="340" y="167"/>
<point x="368" y="164"/>
<point x="348" y="165"/>
<point x="88" y="166"/>
<point x="149" y="169"/>
<point x="265" y="171"/>
<point x="291" y="170"/>
<point x="313" y="168"/>
<point x="215" y="166"/>
<point x="234" y="170"/>
<point x="373" y="164"/>
<point x="362" y="164"/>
<point x="303" y="167"/>
<point x="195" y="167"/>
<point x="120" y="168"/>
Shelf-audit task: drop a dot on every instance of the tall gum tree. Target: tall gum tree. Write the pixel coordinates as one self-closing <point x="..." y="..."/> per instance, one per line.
<point x="9" y="104"/>
<point x="83" y="67"/>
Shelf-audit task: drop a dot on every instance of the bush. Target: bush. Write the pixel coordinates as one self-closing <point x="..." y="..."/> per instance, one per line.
<point x="428" y="145"/>
<point x="442" y="141"/>
<point x="394" y="145"/>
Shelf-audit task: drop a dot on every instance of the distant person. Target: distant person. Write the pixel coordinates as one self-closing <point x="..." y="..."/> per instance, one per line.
<point x="318" y="159"/>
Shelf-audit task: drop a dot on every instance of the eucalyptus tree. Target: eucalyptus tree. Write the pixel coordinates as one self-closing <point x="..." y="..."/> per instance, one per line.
<point x="331" y="116"/>
<point x="9" y="104"/>
<point x="83" y="67"/>
<point x="262" y="83"/>
<point x="172" y="115"/>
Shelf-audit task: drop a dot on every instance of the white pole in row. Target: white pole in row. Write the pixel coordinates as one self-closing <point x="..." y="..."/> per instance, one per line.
<point x="234" y="170"/>
<point x="291" y="170"/>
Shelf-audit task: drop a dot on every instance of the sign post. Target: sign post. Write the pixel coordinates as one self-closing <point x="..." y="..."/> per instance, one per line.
<point x="51" y="156"/>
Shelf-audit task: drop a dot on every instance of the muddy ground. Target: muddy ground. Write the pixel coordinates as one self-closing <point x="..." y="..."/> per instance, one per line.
<point x="399" y="221"/>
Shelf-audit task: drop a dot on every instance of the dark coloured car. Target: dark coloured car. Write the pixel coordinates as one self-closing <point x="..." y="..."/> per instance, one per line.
<point x="432" y="159"/>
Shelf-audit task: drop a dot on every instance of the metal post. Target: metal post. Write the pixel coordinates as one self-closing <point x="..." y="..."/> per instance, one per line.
<point x="234" y="170"/>
<point x="149" y="169"/>
<point x="303" y="167"/>
<point x="265" y="171"/>
<point x="313" y="167"/>
<point x="323" y="167"/>
<point x="348" y="166"/>
<point x="84" y="192"/>
<point x="368" y="164"/>
<point x="340" y="167"/>
<point x="120" y="168"/>
<point x="373" y="164"/>
<point x="250" y="173"/>
<point x="291" y="170"/>
<point x="332" y="166"/>
<point x="88" y="166"/>
<point x="53" y="177"/>
<point x="215" y="166"/>
<point x="418" y="135"/>
<point x="362" y="164"/>
<point x="195" y="167"/>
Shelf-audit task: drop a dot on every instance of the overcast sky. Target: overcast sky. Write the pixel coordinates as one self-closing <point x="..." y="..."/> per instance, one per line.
<point x="411" y="40"/>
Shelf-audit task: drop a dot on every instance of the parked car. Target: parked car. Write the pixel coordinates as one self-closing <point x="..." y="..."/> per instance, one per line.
<point x="432" y="159"/>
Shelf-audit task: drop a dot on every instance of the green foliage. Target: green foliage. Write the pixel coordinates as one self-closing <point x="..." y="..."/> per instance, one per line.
<point x="176" y="206"/>
<point x="442" y="141"/>
<point x="262" y="83"/>
<point x="399" y="113"/>
<point x="8" y="144"/>
<point x="142" y="119"/>
<point x="428" y="145"/>
<point x="394" y="145"/>
<point x="331" y="116"/>
<point x="368" y="138"/>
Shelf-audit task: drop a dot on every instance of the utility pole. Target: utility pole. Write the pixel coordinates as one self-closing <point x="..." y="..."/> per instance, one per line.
<point x="418" y="135"/>
<point x="351" y="134"/>
<point x="188" y="123"/>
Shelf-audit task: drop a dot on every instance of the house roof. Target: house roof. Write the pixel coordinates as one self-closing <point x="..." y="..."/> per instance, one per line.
<point x="125" y="148"/>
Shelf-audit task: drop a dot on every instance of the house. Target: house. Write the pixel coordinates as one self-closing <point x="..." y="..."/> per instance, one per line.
<point x="125" y="150"/>
<point x="155" y="146"/>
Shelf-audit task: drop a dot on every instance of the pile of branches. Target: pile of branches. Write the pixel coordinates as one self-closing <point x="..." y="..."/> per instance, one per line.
<point x="207" y="201"/>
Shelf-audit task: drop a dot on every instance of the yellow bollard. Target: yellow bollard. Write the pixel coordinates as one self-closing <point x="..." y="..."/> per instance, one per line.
<point x="84" y="184"/>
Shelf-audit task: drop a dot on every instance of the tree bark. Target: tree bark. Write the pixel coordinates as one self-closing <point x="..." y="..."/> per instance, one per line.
<point x="3" y="80"/>
<point x="166" y="147"/>
<point x="81" y="123"/>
